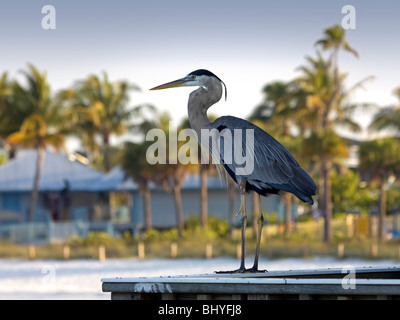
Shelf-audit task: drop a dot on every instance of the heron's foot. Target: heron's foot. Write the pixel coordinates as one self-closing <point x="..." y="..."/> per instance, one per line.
<point x="255" y="270"/>
<point x="240" y="270"/>
<point x="243" y="270"/>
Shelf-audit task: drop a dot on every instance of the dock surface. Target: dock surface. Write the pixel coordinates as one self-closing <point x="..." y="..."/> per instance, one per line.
<point x="309" y="284"/>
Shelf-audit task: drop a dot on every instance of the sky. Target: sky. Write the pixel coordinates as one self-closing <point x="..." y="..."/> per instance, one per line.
<point x="245" y="43"/>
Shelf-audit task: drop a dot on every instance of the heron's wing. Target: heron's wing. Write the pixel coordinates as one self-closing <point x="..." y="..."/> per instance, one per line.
<point x="272" y="162"/>
<point x="274" y="168"/>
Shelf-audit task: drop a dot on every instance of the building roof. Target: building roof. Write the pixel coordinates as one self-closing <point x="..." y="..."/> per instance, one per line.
<point x="17" y="174"/>
<point x="192" y="181"/>
<point x="115" y="179"/>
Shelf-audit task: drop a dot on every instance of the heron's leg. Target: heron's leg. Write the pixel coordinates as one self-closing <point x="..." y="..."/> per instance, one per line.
<point x="242" y="189"/>
<point x="244" y="223"/>
<point x="260" y="224"/>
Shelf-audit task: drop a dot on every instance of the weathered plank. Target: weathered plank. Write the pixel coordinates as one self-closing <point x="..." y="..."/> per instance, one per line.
<point x="379" y="283"/>
<point x="250" y="286"/>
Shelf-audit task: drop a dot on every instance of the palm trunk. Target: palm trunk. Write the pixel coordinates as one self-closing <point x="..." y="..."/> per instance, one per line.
<point x="203" y="196"/>
<point x="255" y="214"/>
<point x="11" y="152"/>
<point x="286" y="197"/>
<point x="106" y="152"/>
<point x="327" y="202"/>
<point x="231" y="194"/>
<point x="382" y="210"/>
<point x="147" y="208"/>
<point x="178" y="209"/>
<point x="35" y="187"/>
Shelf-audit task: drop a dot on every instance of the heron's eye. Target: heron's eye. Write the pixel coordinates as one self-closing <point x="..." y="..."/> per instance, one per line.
<point x="193" y="76"/>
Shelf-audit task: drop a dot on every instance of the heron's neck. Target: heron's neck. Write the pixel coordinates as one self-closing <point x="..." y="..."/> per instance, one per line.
<point x="198" y="118"/>
<point x="199" y="102"/>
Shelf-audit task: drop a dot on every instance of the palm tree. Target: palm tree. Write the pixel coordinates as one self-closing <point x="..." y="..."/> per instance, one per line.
<point x="175" y="171"/>
<point x="388" y="117"/>
<point x="379" y="159"/>
<point x="39" y="129"/>
<point x="325" y="99"/>
<point x="35" y="133"/>
<point x="326" y="105"/>
<point x="334" y="40"/>
<point x="98" y="111"/>
<point x="18" y="102"/>
<point x="135" y="165"/>
<point x="326" y="148"/>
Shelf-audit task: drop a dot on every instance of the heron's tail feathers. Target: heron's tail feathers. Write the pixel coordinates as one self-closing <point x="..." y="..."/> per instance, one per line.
<point x="302" y="186"/>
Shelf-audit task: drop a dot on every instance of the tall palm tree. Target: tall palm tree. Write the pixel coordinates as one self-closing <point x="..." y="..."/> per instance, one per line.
<point x="40" y="128"/>
<point x="326" y="148"/>
<point x="388" y="117"/>
<point x="99" y="110"/>
<point x="378" y="160"/>
<point x="334" y="40"/>
<point x="174" y="171"/>
<point x="135" y="165"/>
<point x="17" y="102"/>
<point x="35" y="133"/>
<point x="319" y="86"/>
<point x="326" y="104"/>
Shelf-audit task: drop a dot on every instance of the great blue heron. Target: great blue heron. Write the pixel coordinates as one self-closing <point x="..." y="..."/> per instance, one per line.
<point x="274" y="168"/>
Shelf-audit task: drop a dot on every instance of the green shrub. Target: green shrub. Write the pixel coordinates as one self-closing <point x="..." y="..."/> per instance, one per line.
<point x="92" y="239"/>
<point x="215" y="227"/>
<point x="153" y="235"/>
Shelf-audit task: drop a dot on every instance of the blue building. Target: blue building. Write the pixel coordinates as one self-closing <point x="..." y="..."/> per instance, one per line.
<point x="74" y="195"/>
<point x="64" y="184"/>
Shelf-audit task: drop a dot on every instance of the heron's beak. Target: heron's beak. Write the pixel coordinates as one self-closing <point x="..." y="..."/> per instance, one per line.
<point x="173" y="84"/>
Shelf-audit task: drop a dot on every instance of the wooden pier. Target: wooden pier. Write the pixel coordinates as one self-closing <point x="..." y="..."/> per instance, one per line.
<point x="331" y="283"/>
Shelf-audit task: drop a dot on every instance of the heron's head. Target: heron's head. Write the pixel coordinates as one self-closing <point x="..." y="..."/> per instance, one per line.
<point x="198" y="78"/>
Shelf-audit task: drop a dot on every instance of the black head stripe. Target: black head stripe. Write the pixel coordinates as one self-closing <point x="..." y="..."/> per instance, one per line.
<point x="204" y="72"/>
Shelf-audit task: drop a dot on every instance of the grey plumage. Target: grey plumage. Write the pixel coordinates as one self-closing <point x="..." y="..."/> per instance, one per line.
<point x="275" y="168"/>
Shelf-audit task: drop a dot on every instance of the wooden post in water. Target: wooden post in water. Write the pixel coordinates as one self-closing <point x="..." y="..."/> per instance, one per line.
<point x="306" y="252"/>
<point x="102" y="253"/>
<point x="209" y="251"/>
<point x="374" y="250"/>
<point x="269" y="251"/>
<point x="66" y="252"/>
<point x="238" y="251"/>
<point x="174" y="250"/>
<point x="340" y="250"/>
<point x="31" y="252"/>
<point x="141" y="254"/>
